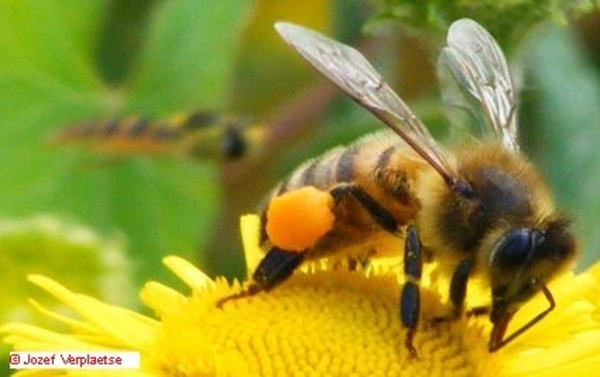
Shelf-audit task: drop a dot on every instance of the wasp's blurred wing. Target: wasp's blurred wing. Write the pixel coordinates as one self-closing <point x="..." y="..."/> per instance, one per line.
<point x="351" y="72"/>
<point x="480" y="80"/>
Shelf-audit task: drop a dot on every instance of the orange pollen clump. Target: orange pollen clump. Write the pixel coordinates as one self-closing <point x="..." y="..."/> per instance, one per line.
<point x="297" y="219"/>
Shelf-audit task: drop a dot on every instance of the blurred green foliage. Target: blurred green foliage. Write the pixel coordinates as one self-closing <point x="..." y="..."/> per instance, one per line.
<point x="51" y="76"/>
<point x="506" y="20"/>
<point x="561" y="126"/>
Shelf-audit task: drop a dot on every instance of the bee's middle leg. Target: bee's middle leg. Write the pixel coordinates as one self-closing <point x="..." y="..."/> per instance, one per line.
<point x="413" y="258"/>
<point x="410" y="299"/>
<point x="276" y="266"/>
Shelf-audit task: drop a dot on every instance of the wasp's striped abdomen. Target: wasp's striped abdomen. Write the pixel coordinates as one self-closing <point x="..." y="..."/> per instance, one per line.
<point x="201" y="135"/>
<point x="120" y="136"/>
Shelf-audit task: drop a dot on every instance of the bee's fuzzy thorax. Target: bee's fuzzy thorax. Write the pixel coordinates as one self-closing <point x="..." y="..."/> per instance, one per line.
<point x="508" y="193"/>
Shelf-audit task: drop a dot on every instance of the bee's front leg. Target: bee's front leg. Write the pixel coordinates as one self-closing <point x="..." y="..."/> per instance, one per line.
<point x="274" y="268"/>
<point x="458" y="293"/>
<point x="458" y="286"/>
<point x="410" y="299"/>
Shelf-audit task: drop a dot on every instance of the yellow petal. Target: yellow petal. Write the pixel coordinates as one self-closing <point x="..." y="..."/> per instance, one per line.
<point x="322" y="321"/>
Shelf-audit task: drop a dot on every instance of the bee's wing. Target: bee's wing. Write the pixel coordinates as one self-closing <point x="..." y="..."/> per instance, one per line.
<point x="351" y="72"/>
<point x="481" y="82"/>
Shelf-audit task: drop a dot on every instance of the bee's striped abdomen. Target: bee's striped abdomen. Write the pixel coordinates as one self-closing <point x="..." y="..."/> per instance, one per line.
<point x="366" y="159"/>
<point x="320" y="172"/>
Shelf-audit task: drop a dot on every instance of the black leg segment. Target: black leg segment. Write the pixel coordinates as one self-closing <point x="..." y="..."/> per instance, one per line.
<point x="276" y="266"/>
<point x="410" y="299"/>
<point x="458" y="286"/>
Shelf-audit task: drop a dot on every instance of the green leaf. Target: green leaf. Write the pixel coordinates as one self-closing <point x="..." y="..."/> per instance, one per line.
<point x="188" y="59"/>
<point x="49" y="79"/>
<point x="564" y="127"/>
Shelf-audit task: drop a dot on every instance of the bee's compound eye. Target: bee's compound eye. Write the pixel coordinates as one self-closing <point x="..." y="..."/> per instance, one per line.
<point x="517" y="247"/>
<point x="296" y="220"/>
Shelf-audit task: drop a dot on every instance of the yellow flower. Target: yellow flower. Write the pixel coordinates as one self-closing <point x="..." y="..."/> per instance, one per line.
<point x="323" y="321"/>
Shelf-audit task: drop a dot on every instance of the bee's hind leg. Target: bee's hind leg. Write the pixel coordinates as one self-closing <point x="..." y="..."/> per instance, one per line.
<point x="276" y="266"/>
<point x="380" y="214"/>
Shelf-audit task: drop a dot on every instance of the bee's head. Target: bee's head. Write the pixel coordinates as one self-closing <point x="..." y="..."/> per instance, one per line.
<point x="521" y="264"/>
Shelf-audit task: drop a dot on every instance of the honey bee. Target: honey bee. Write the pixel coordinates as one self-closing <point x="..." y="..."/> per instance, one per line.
<point x="483" y="212"/>
<point x="200" y="135"/>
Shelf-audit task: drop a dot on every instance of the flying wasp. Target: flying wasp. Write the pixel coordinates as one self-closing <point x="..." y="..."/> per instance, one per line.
<point x="199" y="135"/>
<point x="482" y="212"/>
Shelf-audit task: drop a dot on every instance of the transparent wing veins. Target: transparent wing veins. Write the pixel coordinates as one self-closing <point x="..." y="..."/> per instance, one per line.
<point x="479" y="69"/>
<point x="351" y="72"/>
